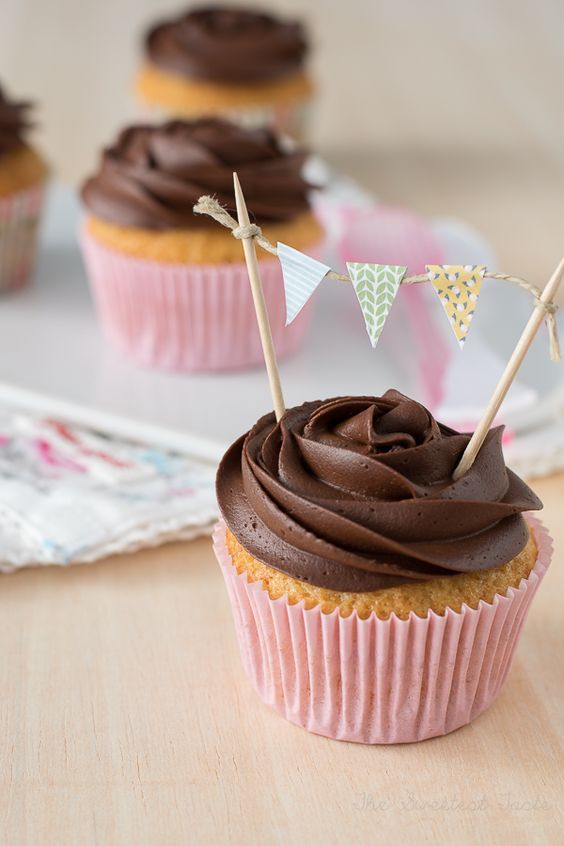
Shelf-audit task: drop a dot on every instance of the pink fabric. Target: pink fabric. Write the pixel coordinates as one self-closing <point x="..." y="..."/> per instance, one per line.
<point x="188" y="317"/>
<point x="377" y="681"/>
<point x="388" y="235"/>
<point x="392" y="235"/>
<point x="19" y="216"/>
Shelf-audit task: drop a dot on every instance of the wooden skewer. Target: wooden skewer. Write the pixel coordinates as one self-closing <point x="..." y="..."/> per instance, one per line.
<point x="513" y="365"/>
<point x="260" y="305"/>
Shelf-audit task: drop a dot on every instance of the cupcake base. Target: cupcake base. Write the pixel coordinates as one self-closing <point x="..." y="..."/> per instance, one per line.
<point x="371" y="680"/>
<point x="19" y="219"/>
<point x="288" y="119"/>
<point x="198" y="318"/>
<point x="282" y="104"/>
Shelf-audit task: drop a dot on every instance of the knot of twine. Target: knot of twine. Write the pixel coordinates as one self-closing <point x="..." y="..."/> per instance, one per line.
<point x="211" y="207"/>
<point x="251" y="230"/>
<point x="550" y="310"/>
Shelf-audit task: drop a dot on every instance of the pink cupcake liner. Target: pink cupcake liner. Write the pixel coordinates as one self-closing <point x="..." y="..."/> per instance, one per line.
<point x="377" y="681"/>
<point x="187" y="317"/>
<point x="19" y="218"/>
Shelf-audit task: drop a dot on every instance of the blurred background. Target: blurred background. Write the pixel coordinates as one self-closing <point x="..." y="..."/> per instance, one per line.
<point x="446" y="106"/>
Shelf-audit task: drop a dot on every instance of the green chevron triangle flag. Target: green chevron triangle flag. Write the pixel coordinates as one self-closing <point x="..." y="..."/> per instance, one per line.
<point x="376" y="286"/>
<point x="302" y="274"/>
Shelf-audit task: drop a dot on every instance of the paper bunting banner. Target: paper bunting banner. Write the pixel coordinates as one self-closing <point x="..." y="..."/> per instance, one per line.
<point x="458" y="287"/>
<point x="376" y="286"/>
<point x="302" y="274"/>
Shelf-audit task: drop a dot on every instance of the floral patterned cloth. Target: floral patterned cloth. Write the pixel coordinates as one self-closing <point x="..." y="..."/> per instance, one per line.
<point x="70" y="495"/>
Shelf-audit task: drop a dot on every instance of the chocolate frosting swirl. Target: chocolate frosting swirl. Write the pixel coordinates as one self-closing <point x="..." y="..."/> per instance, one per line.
<point x="356" y="494"/>
<point x="14" y="123"/>
<point x="227" y="45"/>
<point x="153" y="175"/>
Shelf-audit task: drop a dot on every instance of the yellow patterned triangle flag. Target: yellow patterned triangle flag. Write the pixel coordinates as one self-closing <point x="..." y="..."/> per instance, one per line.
<point x="458" y="287"/>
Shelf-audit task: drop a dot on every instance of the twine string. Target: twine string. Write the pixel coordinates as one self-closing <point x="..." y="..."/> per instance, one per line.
<point x="211" y="207"/>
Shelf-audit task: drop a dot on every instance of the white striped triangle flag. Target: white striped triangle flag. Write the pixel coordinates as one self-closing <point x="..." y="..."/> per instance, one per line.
<point x="302" y="274"/>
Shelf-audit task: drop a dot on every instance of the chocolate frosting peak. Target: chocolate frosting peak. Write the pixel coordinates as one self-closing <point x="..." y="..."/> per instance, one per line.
<point x="153" y="175"/>
<point x="14" y="123"/>
<point x="227" y="45"/>
<point x="356" y="494"/>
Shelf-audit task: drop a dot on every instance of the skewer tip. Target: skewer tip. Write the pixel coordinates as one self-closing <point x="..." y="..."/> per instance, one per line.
<point x="242" y="213"/>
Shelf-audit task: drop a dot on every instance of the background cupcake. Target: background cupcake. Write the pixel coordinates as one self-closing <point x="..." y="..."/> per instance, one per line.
<point x="22" y="177"/>
<point x="375" y="599"/>
<point x="238" y="63"/>
<point x="171" y="287"/>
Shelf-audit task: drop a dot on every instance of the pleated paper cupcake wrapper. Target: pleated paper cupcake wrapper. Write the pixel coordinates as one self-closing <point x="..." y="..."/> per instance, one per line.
<point x="289" y="118"/>
<point x="377" y="681"/>
<point x="198" y="318"/>
<point x="19" y="219"/>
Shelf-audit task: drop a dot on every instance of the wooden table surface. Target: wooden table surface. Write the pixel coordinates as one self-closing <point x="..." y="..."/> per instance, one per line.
<point x="126" y="718"/>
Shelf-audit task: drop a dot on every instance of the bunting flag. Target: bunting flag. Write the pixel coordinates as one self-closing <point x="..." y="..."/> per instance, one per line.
<point x="458" y="287"/>
<point x="376" y="286"/>
<point x="302" y="274"/>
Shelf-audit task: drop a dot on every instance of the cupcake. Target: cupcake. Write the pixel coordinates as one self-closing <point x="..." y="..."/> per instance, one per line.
<point x="171" y="287"/>
<point x="22" y="177"/>
<point x="238" y="63"/>
<point x="375" y="599"/>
